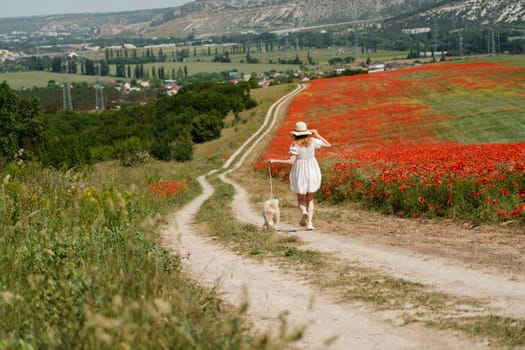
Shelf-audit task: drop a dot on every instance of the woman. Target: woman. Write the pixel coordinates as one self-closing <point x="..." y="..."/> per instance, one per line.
<point x="305" y="175"/>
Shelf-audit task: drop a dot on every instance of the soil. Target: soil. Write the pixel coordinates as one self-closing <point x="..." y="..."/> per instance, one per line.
<point x="484" y="262"/>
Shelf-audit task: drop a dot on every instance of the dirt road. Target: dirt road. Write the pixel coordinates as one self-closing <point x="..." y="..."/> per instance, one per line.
<point x="330" y="324"/>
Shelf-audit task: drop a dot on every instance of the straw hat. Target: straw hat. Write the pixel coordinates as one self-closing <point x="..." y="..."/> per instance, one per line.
<point x="300" y="129"/>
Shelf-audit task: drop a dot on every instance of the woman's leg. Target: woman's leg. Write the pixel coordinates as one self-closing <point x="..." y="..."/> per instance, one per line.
<point x="303" y="207"/>
<point x="310" y="208"/>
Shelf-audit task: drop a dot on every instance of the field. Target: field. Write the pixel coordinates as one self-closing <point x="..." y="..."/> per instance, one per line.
<point x="21" y="80"/>
<point x="441" y="140"/>
<point x="194" y="65"/>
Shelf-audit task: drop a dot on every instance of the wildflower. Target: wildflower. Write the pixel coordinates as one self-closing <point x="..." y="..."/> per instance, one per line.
<point x="9" y="297"/>
<point x="6" y="179"/>
<point x="504" y="192"/>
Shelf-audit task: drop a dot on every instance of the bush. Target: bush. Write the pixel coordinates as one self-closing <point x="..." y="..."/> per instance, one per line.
<point x="126" y="148"/>
<point x="161" y="149"/>
<point x="135" y="159"/>
<point x="102" y="152"/>
<point x="182" y="150"/>
<point x="206" y="128"/>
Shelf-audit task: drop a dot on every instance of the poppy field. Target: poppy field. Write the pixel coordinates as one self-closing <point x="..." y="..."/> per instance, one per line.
<point x="436" y="140"/>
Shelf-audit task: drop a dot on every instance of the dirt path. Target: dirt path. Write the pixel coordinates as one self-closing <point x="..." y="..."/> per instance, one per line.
<point x="503" y="292"/>
<point x="271" y="291"/>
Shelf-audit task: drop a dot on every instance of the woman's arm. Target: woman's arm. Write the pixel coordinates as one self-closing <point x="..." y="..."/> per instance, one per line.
<point x="290" y="161"/>
<point x="318" y="136"/>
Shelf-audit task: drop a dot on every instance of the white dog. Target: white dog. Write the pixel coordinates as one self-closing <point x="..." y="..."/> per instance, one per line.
<point x="271" y="213"/>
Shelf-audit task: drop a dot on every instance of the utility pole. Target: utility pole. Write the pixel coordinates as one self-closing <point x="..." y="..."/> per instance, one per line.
<point x="99" y="88"/>
<point x="67" y="104"/>
<point x="493" y="46"/>
<point x="498" y="42"/>
<point x="491" y="42"/>
<point x="461" y="46"/>
<point x="434" y="39"/>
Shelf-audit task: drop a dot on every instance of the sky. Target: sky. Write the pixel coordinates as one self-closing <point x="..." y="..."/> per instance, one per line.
<point x="18" y="8"/>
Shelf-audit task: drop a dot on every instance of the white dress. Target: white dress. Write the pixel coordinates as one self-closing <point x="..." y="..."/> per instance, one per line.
<point x="305" y="175"/>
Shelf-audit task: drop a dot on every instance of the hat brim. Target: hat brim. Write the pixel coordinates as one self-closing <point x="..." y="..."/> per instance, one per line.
<point x="301" y="133"/>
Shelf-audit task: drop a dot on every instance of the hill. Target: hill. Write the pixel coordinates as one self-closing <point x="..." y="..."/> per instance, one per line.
<point x="204" y="18"/>
<point x="207" y="18"/>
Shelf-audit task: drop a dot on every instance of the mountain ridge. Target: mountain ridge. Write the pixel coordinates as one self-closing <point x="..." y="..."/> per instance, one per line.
<point x="205" y="18"/>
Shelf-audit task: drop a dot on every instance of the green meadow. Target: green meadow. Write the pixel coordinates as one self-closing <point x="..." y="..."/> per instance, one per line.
<point x="84" y="265"/>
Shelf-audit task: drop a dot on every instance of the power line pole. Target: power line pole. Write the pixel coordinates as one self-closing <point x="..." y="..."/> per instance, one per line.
<point x="498" y="42"/>
<point x="492" y="42"/>
<point x="461" y="46"/>
<point x="99" y="88"/>
<point x="434" y="40"/>
<point x="67" y="104"/>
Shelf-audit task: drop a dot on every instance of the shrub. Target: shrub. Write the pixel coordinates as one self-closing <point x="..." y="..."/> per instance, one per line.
<point x="182" y="150"/>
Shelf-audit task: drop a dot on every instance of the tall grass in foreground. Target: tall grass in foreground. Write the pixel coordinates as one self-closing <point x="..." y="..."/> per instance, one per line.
<point x="82" y="268"/>
<point x="82" y="265"/>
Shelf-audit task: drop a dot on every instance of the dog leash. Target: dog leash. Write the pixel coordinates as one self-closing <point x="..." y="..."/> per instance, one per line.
<point x="271" y="185"/>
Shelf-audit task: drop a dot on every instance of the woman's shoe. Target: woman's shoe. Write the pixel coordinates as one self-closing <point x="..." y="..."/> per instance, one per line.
<point x="310" y="226"/>
<point x="304" y="219"/>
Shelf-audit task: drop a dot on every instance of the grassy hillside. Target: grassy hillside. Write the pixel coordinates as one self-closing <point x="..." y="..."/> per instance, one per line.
<point x="84" y="265"/>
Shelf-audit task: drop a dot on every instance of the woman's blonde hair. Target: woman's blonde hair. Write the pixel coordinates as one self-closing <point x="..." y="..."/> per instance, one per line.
<point x="303" y="140"/>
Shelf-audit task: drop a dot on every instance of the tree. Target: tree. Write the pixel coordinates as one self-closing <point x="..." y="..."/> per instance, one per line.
<point x="89" y="67"/>
<point x="19" y="127"/>
<point x="309" y="59"/>
<point x="335" y="61"/>
<point x="121" y="70"/>
<point x="56" y="65"/>
<point x="206" y="128"/>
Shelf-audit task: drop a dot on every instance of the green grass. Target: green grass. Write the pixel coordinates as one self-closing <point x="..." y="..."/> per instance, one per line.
<point x="20" y="80"/>
<point x="514" y="60"/>
<point x="482" y="118"/>
<point x="508" y="332"/>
